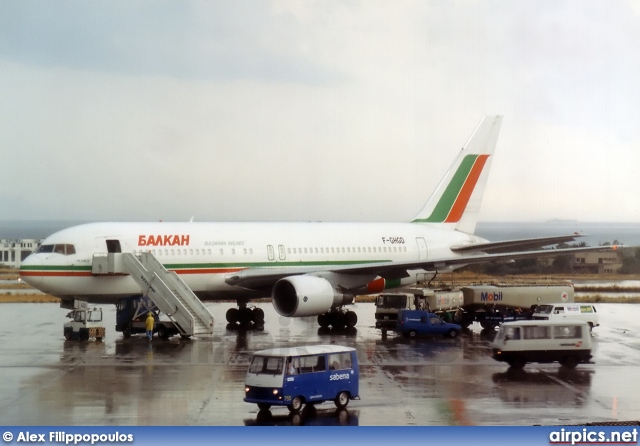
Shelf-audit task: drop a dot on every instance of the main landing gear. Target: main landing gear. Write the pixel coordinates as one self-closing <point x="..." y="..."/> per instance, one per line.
<point x="338" y="319"/>
<point x="245" y="317"/>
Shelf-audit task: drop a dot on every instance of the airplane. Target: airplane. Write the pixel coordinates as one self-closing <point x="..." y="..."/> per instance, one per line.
<point x="307" y="268"/>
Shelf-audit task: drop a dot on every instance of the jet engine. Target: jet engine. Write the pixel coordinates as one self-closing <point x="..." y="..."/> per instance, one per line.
<point x="300" y="296"/>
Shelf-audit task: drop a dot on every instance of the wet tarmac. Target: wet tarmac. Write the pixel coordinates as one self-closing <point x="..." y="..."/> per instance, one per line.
<point x="46" y="380"/>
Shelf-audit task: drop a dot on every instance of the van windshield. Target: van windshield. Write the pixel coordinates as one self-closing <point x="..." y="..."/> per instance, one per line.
<point x="269" y="365"/>
<point x="544" y="309"/>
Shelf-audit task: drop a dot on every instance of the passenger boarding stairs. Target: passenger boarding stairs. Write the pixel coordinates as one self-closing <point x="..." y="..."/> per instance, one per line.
<point x="165" y="288"/>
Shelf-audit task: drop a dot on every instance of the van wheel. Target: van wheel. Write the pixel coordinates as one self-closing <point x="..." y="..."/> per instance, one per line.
<point x="296" y="404"/>
<point x="517" y="363"/>
<point x="342" y="400"/>
<point x="126" y="331"/>
<point x="412" y="334"/>
<point x="569" y="362"/>
<point x="452" y="333"/>
<point x="264" y="406"/>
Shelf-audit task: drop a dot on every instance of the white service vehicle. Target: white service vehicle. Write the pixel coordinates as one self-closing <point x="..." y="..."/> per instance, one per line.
<point x="85" y="323"/>
<point x="563" y="340"/>
<point x="582" y="312"/>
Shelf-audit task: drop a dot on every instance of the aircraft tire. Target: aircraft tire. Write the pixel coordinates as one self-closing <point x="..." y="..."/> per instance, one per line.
<point x="233" y="314"/>
<point x="351" y="318"/>
<point x="324" y="320"/>
<point x="257" y="315"/>
<point x="338" y="320"/>
<point x="245" y="317"/>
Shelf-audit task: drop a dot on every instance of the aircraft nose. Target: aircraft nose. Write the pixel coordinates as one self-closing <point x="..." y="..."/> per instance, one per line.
<point x="29" y="272"/>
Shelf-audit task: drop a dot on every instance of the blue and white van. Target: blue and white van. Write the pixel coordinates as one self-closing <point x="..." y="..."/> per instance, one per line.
<point x="295" y="376"/>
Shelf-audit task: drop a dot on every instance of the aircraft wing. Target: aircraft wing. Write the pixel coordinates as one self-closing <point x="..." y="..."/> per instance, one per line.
<point x="521" y="244"/>
<point x="395" y="270"/>
<point x="263" y="278"/>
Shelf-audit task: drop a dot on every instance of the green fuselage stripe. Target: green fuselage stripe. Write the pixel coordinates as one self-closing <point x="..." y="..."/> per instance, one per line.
<point x="181" y="267"/>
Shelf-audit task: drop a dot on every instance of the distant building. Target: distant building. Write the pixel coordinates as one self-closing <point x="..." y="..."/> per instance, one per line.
<point x="14" y="251"/>
<point x="597" y="262"/>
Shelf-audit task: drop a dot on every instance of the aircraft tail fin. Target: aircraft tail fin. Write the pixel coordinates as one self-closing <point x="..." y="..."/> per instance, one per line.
<point x="457" y="198"/>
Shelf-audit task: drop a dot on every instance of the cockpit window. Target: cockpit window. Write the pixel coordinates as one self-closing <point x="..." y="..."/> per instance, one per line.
<point x="64" y="249"/>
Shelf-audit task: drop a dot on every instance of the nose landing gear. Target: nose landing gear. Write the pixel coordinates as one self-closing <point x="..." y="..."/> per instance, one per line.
<point x="246" y="317"/>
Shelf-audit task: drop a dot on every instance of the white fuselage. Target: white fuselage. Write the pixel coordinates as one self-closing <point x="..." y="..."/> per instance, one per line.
<point x="206" y="254"/>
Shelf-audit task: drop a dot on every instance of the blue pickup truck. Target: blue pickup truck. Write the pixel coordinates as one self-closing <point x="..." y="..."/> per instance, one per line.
<point x="412" y="323"/>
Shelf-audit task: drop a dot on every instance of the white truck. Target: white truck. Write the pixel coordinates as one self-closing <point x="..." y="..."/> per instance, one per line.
<point x="489" y="305"/>
<point x="85" y="323"/>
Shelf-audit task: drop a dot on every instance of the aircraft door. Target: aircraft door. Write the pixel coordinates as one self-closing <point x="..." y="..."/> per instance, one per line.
<point x="113" y="246"/>
<point x="281" y="252"/>
<point x="422" y="248"/>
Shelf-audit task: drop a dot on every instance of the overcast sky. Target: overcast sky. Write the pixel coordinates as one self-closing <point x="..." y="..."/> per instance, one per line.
<point x="315" y="110"/>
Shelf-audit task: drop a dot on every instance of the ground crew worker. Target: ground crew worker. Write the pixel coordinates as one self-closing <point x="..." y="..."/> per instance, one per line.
<point x="149" y="326"/>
